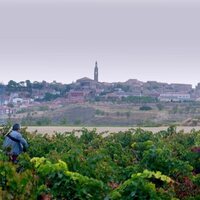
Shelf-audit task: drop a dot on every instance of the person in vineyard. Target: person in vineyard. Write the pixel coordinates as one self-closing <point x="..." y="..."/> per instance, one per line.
<point x="14" y="143"/>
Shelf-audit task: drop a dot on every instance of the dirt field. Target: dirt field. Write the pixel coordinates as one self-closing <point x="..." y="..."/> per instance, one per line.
<point x="62" y="129"/>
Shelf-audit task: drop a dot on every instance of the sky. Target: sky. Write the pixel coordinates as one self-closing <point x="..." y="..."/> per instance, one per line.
<point x="148" y="40"/>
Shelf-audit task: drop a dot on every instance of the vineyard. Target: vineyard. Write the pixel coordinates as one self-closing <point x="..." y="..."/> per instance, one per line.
<point x="134" y="164"/>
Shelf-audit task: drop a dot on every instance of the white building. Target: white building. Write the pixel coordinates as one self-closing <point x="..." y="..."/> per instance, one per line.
<point x="17" y="100"/>
<point x="170" y="97"/>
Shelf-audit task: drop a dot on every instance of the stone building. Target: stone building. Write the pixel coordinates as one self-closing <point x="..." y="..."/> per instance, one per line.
<point x="96" y="73"/>
<point x="174" y="97"/>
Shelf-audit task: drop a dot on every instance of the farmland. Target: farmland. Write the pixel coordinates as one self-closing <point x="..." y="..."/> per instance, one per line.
<point x="109" y="114"/>
<point x="128" y="164"/>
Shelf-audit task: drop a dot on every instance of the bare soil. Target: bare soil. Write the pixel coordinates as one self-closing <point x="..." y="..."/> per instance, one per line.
<point x="62" y="129"/>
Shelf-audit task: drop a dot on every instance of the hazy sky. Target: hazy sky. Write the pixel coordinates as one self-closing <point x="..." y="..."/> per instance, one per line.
<point x="61" y="40"/>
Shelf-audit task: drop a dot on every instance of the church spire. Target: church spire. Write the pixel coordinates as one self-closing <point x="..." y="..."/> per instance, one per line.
<point x="96" y="72"/>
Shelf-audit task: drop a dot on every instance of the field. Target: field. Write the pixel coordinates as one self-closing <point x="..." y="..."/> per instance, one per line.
<point x="126" y="165"/>
<point x="111" y="115"/>
<point x="62" y="129"/>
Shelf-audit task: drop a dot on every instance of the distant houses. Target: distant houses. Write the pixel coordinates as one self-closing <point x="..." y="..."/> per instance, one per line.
<point x="15" y="96"/>
<point x="76" y="97"/>
<point x="174" y="97"/>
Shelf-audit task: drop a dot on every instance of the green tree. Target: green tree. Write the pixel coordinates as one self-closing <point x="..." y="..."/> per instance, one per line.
<point x="145" y="108"/>
<point x="29" y="86"/>
<point x="12" y="86"/>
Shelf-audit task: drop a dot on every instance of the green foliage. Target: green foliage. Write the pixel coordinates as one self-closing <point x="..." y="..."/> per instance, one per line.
<point x="14" y="185"/>
<point x="99" y="112"/>
<point x="43" y="121"/>
<point x="138" y="99"/>
<point x="160" y="106"/>
<point x="63" y="121"/>
<point x="145" y="108"/>
<point x="65" y="184"/>
<point x="5" y="129"/>
<point x="143" y="186"/>
<point x="197" y="141"/>
<point x="49" y="97"/>
<point x="77" y="122"/>
<point x="43" y="108"/>
<point x="135" y="164"/>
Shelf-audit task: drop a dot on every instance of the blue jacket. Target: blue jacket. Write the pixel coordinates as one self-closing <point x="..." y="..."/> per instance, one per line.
<point x="16" y="147"/>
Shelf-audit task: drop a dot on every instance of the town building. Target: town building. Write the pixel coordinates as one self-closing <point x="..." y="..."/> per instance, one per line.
<point x="96" y="73"/>
<point x="76" y="97"/>
<point x="174" y="97"/>
<point x="85" y="84"/>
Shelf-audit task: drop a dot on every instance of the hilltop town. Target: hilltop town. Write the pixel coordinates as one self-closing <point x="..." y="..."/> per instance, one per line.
<point x="19" y="99"/>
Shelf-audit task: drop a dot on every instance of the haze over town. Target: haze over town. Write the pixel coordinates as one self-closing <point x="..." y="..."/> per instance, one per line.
<point x="60" y="40"/>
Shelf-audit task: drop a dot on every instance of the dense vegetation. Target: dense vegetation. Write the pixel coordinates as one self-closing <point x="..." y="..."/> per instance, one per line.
<point x="136" y="164"/>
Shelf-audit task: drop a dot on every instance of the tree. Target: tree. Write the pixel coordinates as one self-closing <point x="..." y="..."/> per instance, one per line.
<point x="145" y="108"/>
<point x="12" y="86"/>
<point x="49" y="97"/>
<point x="160" y="106"/>
<point x="29" y="86"/>
<point x="37" y="85"/>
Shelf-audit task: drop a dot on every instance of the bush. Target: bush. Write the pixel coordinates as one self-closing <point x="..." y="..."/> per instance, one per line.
<point x="145" y="108"/>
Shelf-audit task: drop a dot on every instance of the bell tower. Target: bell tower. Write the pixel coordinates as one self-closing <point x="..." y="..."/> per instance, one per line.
<point x="96" y="74"/>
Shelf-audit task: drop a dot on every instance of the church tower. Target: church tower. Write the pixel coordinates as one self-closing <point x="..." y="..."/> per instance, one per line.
<point x="96" y="75"/>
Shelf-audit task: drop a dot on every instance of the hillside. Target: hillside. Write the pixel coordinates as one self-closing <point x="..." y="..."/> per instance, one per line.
<point x="110" y="114"/>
